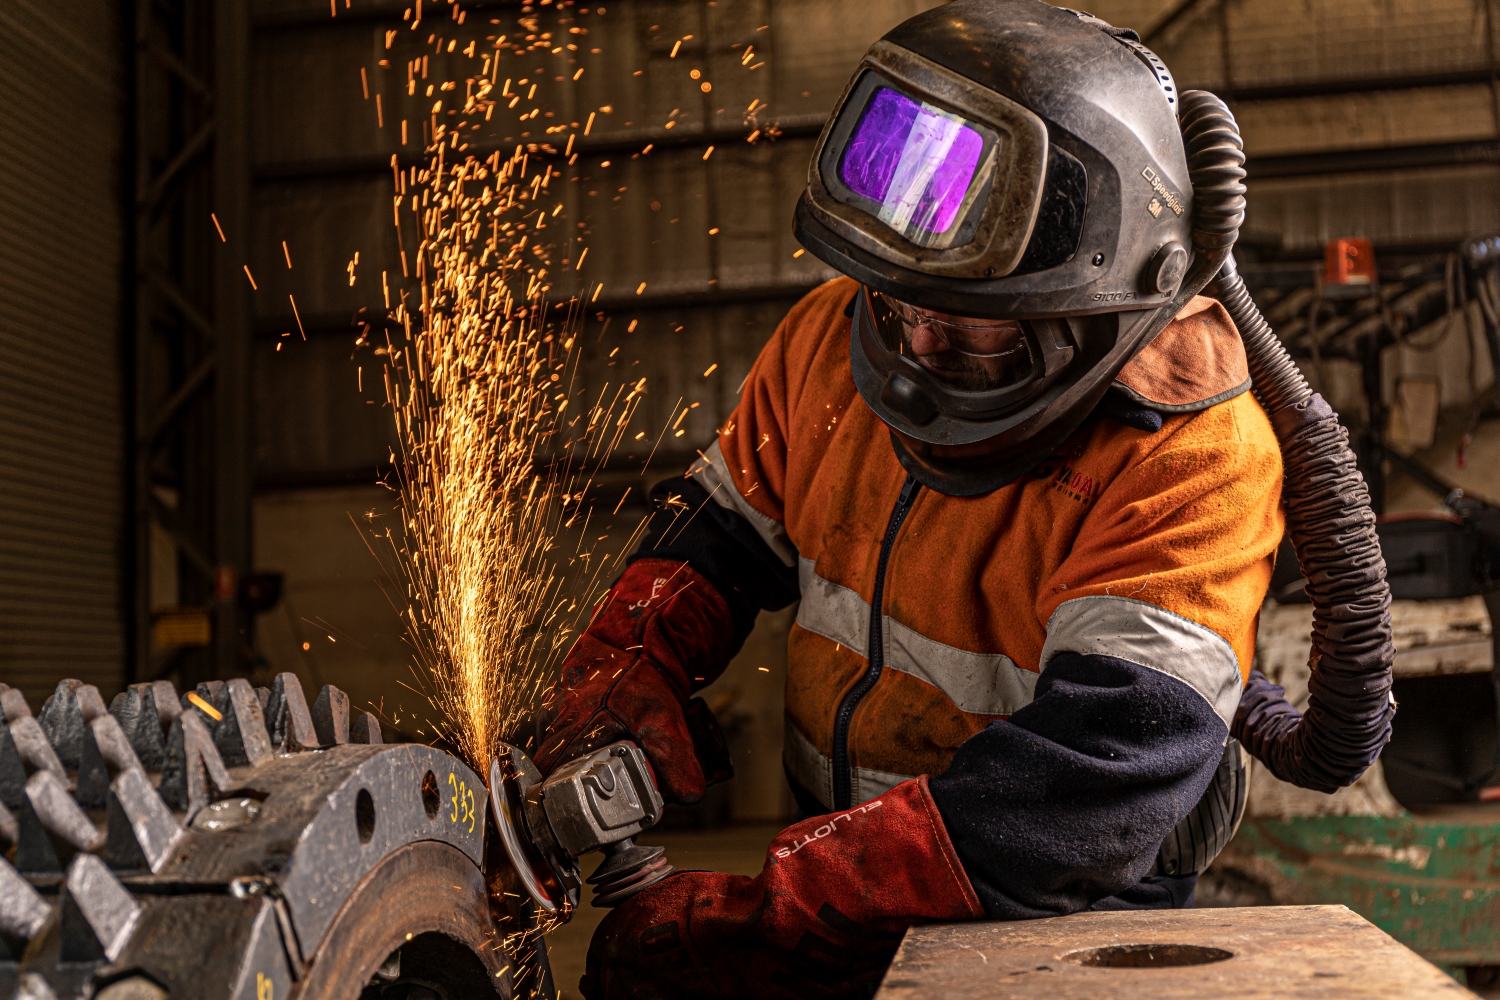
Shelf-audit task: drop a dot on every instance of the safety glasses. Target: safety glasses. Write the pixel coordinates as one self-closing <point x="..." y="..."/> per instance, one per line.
<point x="976" y="338"/>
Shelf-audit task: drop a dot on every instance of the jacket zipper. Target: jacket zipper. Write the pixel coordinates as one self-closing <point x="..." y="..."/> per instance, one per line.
<point x="843" y="773"/>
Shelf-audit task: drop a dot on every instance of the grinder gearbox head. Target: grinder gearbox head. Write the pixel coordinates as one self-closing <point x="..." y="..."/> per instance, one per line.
<point x="597" y="802"/>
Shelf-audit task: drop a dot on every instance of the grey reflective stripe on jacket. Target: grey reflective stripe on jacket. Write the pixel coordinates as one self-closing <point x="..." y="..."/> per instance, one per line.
<point x="978" y="683"/>
<point x="713" y="475"/>
<point x="1152" y="637"/>
<point x="814" y="771"/>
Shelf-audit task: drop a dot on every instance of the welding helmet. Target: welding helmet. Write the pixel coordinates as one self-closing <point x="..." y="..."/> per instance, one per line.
<point x="1012" y="175"/>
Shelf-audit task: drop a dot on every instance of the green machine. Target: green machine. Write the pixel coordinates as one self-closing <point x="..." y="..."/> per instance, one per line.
<point x="1414" y="845"/>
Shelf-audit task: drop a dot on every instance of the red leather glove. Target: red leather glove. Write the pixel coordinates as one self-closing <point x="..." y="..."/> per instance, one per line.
<point x="822" y="920"/>
<point x="661" y="633"/>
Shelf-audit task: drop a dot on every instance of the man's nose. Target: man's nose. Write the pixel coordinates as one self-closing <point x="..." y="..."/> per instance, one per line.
<point x="924" y="340"/>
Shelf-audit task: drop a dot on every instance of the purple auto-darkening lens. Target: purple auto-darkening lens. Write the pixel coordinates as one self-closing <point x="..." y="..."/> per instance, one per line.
<point x="914" y="161"/>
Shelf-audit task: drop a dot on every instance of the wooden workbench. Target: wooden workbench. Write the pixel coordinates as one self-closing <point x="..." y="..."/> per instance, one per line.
<point x="1311" y="952"/>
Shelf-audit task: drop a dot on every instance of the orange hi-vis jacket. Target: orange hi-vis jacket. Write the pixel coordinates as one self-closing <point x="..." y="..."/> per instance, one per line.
<point x="1155" y="548"/>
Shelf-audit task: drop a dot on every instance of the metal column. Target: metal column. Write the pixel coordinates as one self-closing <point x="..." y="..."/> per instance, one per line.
<point x="191" y="448"/>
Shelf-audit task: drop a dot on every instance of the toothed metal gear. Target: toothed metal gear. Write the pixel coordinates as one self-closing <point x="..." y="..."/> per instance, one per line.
<point x="235" y="843"/>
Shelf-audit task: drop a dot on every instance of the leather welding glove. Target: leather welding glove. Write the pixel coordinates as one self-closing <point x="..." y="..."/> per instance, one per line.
<point x="823" y="919"/>
<point x="661" y="633"/>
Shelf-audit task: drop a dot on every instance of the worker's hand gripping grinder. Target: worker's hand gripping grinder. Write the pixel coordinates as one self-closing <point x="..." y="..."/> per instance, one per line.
<point x="598" y="802"/>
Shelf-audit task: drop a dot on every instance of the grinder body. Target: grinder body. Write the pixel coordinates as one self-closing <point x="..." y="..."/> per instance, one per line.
<point x="598" y="802"/>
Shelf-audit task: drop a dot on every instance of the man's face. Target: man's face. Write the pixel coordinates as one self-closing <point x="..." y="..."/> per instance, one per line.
<point x="973" y="354"/>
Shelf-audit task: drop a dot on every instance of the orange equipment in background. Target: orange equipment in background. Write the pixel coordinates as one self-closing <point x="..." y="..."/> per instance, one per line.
<point x="1349" y="260"/>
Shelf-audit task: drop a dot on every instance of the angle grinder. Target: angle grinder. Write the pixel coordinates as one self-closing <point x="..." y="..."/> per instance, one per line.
<point x="598" y="802"/>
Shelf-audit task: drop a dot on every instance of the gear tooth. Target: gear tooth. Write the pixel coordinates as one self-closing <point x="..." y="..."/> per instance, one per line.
<point x="92" y="788"/>
<point x="241" y="736"/>
<point x="141" y="830"/>
<point x="289" y="720"/>
<point x="193" y="765"/>
<point x="59" y="814"/>
<point x="31" y="744"/>
<point x="10" y="832"/>
<point x="366" y="729"/>
<point x="174" y="768"/>
<point x="13" y="704"/>
<point x="31" y="986"/>
<point x="106" y="752"/>
<point x="62" y="722"/>
<point x="113" y="746"/>
<point x="330" y="716"/>
<point x="36" y="853"/>
<point x="264" y="695"/>
<point x="168" y="704"/>
<point x="211" y="692"/>
<point x="90" y="702"/>
<point x="22" y="912"/>
<point x="275" y="710"/>
<point x="12" y="771"/>
<point x="208" y="753"/>
<point x="99" y="914"/>
<point x="135" y="710"/>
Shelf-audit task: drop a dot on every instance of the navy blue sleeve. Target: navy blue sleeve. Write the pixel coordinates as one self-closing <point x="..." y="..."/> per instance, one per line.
<point x="1065" y="804"/>
<point x="688" y="526"/>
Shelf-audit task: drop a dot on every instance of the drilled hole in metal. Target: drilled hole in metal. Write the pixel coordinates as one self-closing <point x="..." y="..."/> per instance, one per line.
<point x="364" y="815"/>
<point x="431" y="799"/>
<point x="1147" y="956"/>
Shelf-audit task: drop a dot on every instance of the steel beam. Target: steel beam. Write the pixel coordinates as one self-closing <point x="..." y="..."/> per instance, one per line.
<point x="1346" y="161"/>
<point x="232" y="449"/>
<point x="191" y="336"/>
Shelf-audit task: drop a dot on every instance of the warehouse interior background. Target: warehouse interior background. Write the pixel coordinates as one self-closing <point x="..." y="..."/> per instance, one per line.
<point x="188" y="457"/>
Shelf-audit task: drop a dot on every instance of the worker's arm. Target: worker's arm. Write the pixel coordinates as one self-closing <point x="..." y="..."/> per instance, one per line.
<point x="1067" y="801"/>
<point x="837" y="894"/>
<point x="1150" y="626"/>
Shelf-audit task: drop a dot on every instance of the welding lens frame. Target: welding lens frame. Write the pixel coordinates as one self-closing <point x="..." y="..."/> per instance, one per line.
<point x="929" y="170"/>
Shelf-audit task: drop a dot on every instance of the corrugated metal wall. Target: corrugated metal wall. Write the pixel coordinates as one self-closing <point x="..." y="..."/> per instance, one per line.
<point x="1376" y="118"/>
<point x="63" y="112"/>
<point x="324" y="183"/>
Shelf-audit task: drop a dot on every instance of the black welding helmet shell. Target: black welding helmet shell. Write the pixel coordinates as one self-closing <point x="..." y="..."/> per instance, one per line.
<point x="1003" y="159"/>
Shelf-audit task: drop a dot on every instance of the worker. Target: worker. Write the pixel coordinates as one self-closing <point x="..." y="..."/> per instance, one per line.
<point x="1022" y="493"/>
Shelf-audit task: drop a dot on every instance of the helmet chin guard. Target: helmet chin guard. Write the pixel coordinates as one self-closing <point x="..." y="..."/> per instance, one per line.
<point x="951" y="441"/>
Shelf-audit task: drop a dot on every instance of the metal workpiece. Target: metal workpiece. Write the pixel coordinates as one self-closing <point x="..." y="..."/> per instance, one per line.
<point x="227" y="846"/>
<point x="1313" y="952"/>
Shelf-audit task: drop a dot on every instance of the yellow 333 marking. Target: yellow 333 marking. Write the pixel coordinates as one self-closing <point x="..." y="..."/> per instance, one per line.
<point x="463" y="802"/>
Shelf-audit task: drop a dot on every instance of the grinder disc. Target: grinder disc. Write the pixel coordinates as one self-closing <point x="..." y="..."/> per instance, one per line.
<point x="509" y="781"/>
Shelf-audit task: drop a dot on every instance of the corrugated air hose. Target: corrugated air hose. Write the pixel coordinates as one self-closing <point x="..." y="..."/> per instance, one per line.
<point x="1329" y="519"/>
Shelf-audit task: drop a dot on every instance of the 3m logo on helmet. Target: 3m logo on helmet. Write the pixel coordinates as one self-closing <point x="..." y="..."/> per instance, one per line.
<point x="1162" y="191"/>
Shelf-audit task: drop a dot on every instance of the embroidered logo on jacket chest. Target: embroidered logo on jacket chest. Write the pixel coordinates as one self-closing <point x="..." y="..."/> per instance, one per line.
<point x="1076" y="485"/>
